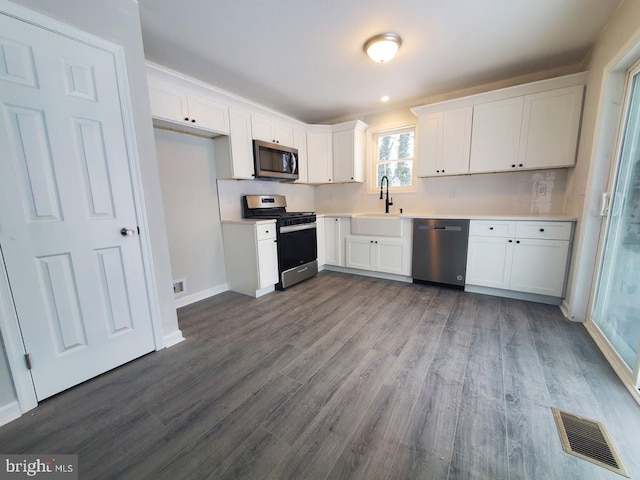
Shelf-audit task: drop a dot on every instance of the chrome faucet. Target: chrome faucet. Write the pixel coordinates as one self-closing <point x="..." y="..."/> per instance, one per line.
<point x="388" y="202"/>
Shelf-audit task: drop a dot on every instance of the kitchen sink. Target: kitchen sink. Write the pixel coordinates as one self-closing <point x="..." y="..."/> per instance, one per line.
<point x="377" y="224"/>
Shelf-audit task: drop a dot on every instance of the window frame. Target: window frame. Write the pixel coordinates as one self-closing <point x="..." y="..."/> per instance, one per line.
<point x="372" y="157"/>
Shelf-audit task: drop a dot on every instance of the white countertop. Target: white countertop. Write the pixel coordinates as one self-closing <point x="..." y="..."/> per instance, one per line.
<point x="245" y="221"/>
<point x="545" y="218"/>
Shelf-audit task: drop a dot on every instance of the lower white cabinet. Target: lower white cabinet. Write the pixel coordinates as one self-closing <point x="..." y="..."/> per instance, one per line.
<point x="379" y="254"/>
<point x="335" y="231"/>
<point x="521" y="256"/>
<point x="251" y="257"/>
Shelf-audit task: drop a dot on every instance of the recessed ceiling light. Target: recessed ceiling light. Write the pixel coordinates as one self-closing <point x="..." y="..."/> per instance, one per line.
<point x="382" y="48"/>
<point x="385" y="98"/>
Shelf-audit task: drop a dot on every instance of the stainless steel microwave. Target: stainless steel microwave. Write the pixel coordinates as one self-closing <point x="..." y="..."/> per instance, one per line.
<point x="274" y="161"/>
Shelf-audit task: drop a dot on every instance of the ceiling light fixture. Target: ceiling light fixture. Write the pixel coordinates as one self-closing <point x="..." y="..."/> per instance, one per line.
<point x="385" y="98"/>
<point x="382" y="48"/>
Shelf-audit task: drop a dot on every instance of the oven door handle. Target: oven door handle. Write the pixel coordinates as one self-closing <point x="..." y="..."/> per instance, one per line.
<point x="296" y="228"/>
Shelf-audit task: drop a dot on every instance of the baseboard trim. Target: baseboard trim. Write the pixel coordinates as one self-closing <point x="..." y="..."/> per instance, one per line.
<point x="9" y="412"/>
<point x="196" y="297"/>
<point x="566" y="309"/>
<point x="173" y="339"/>
<point x="368" y="273"/>
<point x="529" y="297"/>
<point x="613" y="358"/>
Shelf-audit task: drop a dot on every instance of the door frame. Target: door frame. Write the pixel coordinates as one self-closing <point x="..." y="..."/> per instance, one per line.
<point x="604" y="157"/>
<point x="9" y="324"/>
<point x="628" y="376"/>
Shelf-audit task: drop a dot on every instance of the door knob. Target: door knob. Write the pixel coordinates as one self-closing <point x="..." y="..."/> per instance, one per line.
<point x="128" y="232"/>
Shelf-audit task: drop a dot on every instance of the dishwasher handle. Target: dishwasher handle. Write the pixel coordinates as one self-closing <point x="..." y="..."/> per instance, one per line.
<point x="449" y="228"/>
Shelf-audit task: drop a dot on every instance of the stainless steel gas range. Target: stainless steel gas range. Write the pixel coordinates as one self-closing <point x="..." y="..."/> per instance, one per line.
<point x="296" y="237"/>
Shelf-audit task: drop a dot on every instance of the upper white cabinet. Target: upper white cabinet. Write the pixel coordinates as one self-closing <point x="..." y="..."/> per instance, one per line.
<point x="550" y="127"/>
<point x="349" y="150"/>
<point x="300" y="142"/>
<point x="529" y="126"/>
<point x="320" y="154"/>
<point x="174" y="104"/>
<point x="444" y="141"/>
<point x="234" y="153"/>
<point x="496" y="135"/>
<point x="270" y="130"/>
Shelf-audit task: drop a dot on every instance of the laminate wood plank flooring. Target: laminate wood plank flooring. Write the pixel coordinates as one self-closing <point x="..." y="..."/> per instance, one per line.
<point x="344" y="377"/>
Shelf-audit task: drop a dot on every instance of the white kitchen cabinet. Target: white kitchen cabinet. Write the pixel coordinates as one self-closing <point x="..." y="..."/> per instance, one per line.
<point x="550" y="126"/>
<point x="320" y="155"/>
<point x="174" y="104"/>
<point x="495" y="135"/>
<point x="251" y="256"/>
<point x="320" y="241"/>
<point x="234" y="153"/>
<point x="521" y="256"/>
<point x="300" y="142"/>
<point x="349" y="150"/>
<point x="444" y="142"/>
<point x="379" y="254"/>
<point x="269" y="130"/>
<point x="335" y="231"/>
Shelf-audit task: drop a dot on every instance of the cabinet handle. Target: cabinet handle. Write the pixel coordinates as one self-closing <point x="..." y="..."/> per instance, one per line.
<point x="443" y="170"/>
<point x="517" y="241"/>
<point x="490" y="228"/>
<point x="510" y="241"/>
<point x="437" y="171"/>
<point x="520" y="165"/>
<point x="186" y="119"/>
<point x="513" y="166"/>
<point x="542" y="229"/>
<point x="193" y="120"/>
<point x="266" y="231"/>
<point x="336" y="219"/>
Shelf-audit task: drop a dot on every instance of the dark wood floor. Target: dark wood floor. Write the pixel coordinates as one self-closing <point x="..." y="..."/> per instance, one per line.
<point x="344" y="377"/>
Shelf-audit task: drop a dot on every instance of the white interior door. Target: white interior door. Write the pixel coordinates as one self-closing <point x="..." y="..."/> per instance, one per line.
<point x="78" y="284"/>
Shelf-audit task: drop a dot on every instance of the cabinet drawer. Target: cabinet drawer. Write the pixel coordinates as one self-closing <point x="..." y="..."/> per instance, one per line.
<point x="544" y="230"/>
<point x="264" y="232"/>
<point x="489" y="228"/>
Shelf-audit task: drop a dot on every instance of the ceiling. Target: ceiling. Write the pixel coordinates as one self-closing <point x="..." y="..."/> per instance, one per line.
<point x="305" y="58"/>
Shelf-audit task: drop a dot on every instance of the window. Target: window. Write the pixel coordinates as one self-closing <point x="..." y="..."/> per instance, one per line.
<point x="393" y="157"/>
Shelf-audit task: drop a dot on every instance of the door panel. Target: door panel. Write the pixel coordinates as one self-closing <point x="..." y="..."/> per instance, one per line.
<point x="66" y="191"/>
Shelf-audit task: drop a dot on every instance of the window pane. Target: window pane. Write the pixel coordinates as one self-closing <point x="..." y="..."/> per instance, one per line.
<point x="396" y="146"/>
<point x="399" y="173"/>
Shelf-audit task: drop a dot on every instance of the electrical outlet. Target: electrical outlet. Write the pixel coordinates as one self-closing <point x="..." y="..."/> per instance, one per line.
<point x="179" y="286"/>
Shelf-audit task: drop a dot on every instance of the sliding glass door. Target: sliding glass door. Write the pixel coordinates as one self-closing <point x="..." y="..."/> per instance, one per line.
<point x="616" y="307"/>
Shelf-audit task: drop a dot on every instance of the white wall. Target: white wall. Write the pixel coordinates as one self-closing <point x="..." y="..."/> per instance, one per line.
<point x="190" y="198"/>
<point x="615" y="51"/>
<point x="119" y="22"/>
<point x="300" y="198"/>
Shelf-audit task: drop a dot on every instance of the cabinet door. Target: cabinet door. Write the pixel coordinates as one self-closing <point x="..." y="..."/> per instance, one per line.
<point x="332" y="241"/>
<point x="262" y="128"/>
<point x="283" y="134"/>
<point x="300" y="142"/>
<point x="456" y="141"/>
<point x="205" y="113"/>
<point x="489" y="261"/>
<point x="343" y="158"/>
<point x="359" y="253"/>
<point x="168" y="102"/>
<point x="267" y="263"/>
<point x="539" y="266"/>
<point x="321" y="240"/>
<point x="391" y="256"/>
<point x="429" y="144"/>
<point x="550" y="125"/>
<point x="495" y="137"/>
<point x="240" y="144"/>
<point x="319" y="157"/>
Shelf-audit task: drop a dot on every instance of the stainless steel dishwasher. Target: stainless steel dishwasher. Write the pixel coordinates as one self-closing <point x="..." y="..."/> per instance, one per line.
<point x="440" y="251"/>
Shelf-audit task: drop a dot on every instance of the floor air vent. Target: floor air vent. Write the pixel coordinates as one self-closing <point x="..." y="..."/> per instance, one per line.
<point x="589" y="440"/>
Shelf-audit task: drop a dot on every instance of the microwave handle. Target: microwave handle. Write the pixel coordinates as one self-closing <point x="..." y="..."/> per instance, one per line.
<point x="294" y="158"/>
